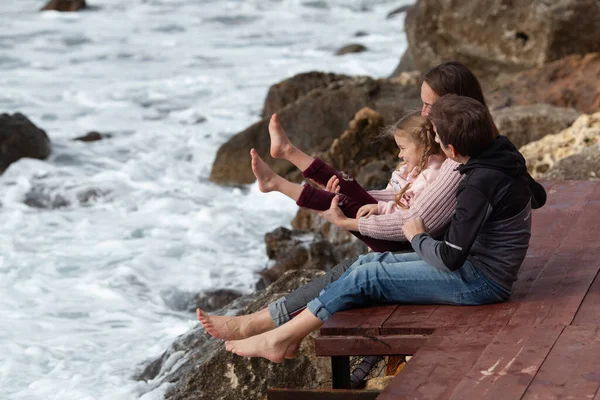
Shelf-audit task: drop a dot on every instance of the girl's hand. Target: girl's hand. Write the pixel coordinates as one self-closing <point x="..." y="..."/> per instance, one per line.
<point x="333" y="185"/>
<point x="367" y="210"/>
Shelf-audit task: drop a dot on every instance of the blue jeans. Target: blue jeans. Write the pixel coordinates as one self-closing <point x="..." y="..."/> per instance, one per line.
<point x="380" y="278"/>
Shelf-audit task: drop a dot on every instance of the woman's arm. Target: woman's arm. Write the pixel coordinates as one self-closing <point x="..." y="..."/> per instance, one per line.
<point x="434" y="205"/>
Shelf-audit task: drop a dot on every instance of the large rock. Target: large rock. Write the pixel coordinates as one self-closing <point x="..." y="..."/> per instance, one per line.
<point x="543" y="154"/>
<point x="573" y="81"/>
<point x="313" y="122"/>
<point x="199" y="367"/>
<point x="524" y="124"/>
<point x="581" y="166"/>
<point x="19" y="138"/>
<point x="288" y="91"/>
<point x="350" y="48"/>
<point x="64" y="5"/>
<point x="497" y="36"/>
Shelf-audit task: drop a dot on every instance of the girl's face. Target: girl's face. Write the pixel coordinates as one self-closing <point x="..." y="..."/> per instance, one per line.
<point x="428" y="97"/>
<point x="409" y="150"/>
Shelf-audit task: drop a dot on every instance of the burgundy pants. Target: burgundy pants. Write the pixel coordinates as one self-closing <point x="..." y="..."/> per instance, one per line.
<point x="352" y="198"/>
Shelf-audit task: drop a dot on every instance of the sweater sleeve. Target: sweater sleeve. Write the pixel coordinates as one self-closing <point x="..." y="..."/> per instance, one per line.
<point x="383" y="195"/>
<point x="435" y="205"/>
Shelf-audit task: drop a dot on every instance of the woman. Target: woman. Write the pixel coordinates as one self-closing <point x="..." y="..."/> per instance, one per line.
<point x="435" y="207"/>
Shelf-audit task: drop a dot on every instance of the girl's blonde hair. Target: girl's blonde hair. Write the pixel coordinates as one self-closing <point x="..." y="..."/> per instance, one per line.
<point x="418" y="130"/>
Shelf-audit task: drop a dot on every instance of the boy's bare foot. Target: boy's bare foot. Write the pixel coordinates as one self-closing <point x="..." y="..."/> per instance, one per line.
<point x="235" y="328"/>
<point x="265" y="345"/>
<point x="280" y="144"/>
<point x="266" y="177"/>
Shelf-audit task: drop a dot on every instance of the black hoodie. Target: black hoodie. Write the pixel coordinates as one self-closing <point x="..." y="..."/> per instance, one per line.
<point x="491" y="225"/>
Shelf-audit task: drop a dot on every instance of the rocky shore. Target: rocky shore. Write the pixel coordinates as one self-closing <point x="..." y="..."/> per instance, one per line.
<point x="540" y="65"/>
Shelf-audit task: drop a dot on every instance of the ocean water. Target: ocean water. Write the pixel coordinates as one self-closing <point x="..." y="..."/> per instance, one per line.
<point x="92" y="290"/>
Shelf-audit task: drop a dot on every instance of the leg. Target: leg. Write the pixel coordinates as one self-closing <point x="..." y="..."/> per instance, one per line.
<point x="228" y="328"/>
<point x="269" y="181"/>
<point x="401" y="278"/>
<point x="280" y="343"/>
<point x="282" y="147"/>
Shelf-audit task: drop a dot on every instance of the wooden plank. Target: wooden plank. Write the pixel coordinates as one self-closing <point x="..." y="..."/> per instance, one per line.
<point x="321" y="394"/>
<point x="363" y="321"/>
<point x="572" y="369"/>
<point x="508" y="364"/>
<point x="369" y="345"/>
<point x="437" y="367"/>
<point x="589" y="311"/>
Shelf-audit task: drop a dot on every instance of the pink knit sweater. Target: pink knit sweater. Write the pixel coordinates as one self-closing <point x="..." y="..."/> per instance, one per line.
<point x="435" y="205"/>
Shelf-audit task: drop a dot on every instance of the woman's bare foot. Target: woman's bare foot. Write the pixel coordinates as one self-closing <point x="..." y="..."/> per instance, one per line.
<point x="267" y="345"/>
<point x="280" y="143"/>
<point x="235" y="328"/>
<point x="266" y="177"/>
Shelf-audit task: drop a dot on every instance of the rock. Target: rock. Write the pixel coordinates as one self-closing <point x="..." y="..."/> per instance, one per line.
<point x="199" y="367"/>
<point x="312" y="122"/>
<point x="524" y="124"/>
<point x="573" y="81"/>
<point x="398" y="11"/>
<point x="581" y="166"/>
<point x="361" y="34"/>
<point x="19" y="138"/>
<point x="64" y="5"/>
<point x="543" y="154"/>
<point x="406" y="65"/>
<point x="379" y="383"/>
<point x="212" y="300"/>
<point x="292" y="250"/>
<point x="290" y="90"/>
<point x="501" y="36"/>
<point x="350" y="48"/>
<point x="92" y="137"/>
<point x="40" y="199"/>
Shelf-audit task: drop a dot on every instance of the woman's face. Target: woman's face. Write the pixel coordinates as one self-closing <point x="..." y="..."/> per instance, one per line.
<point x="409" y="150"/>
<point x="428" y="97"/>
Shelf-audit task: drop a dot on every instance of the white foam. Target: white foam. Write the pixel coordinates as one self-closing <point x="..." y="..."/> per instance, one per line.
<point x="83" y="286"/>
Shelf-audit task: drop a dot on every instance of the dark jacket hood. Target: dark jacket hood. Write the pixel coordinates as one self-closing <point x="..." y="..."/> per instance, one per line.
<point x="503" y="156"/>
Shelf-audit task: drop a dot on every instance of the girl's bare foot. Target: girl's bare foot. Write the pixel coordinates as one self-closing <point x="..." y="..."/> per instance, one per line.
<point x="280" y="143"/>
<point x="235" y="328"/>
<point x="266" y="177"/>
<point x="266" y="345"/>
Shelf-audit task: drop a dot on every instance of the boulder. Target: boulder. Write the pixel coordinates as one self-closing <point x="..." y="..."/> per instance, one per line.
<point x="212" y="300"/>
<point x="350" y="48"/>
<point x="199" y="367"/>
<point x="573" y="81"/>
<point x="93" y="137"/>
<point x="64" y="5"/>
<point x="497" y="36"/>
<point x="543" y="154"/>
<point x="524" y="124"/>
<point x="584" y="165"/>
<point x="312" y="123"/>
<point x="19" y="138"/>
<point x="290" y="90"/>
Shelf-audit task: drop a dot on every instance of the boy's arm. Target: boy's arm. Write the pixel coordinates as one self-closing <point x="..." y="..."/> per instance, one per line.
<point x="472" y="210"/>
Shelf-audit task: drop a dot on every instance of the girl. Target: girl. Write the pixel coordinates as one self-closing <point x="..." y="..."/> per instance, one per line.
<point x="422" y="158"/>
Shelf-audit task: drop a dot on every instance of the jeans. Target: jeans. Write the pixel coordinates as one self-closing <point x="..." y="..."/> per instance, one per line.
<point x="381" y="278"/>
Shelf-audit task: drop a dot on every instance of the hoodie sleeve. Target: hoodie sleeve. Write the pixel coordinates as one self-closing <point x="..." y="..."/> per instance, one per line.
<point x="472" y="211"/>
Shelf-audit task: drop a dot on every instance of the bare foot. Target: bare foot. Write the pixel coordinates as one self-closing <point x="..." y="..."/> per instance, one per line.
<point x="280" y="144"/>
<point x="266" y="345"/>
<point x="234" y="328"/>
<point x="266" y="177"/>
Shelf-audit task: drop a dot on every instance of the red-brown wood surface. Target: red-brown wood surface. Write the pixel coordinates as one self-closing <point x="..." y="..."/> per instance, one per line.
<point x="508" y="364"/>
<point x="572" y="369"/>
<point x="364" y="321"/>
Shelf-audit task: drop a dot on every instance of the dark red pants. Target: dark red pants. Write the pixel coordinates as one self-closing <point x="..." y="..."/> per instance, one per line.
<point x="352" y="198"/>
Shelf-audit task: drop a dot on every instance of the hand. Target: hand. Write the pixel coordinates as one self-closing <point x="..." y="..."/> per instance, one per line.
<point x="413" y="227"/>
<point x="334" y="214"/>
<point x="367" y="210"/>
<point x="333" y="185"/>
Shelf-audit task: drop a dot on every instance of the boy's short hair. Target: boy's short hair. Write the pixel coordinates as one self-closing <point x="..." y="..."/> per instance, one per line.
<point x="462" y="122"/>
